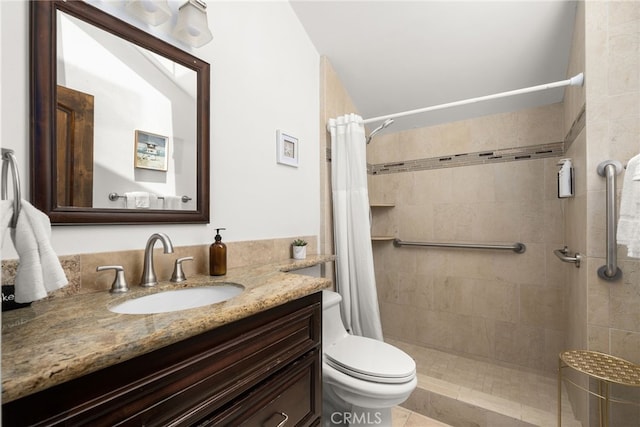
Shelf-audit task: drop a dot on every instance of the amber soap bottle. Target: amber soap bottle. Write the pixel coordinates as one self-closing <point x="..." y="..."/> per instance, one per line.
<point x="218" y="256"/>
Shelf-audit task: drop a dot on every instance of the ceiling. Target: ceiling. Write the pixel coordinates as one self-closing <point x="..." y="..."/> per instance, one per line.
<point x="395" y="56"/>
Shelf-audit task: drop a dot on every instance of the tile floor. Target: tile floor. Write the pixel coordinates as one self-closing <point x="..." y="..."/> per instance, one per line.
<point x="405" y="418"/>
<point x="489" y="394"/>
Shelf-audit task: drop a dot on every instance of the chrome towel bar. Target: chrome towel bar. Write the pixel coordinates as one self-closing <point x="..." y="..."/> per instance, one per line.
<point x="609" y="169"/>
<point x="516" y="247"/>
<point x="9" y="159"/>
<point x="115" y="196"/>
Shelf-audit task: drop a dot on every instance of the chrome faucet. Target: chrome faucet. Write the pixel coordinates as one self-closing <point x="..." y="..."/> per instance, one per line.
<point x="148" y="278"/>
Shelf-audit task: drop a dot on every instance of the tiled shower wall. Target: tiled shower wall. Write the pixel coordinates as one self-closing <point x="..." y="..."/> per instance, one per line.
<point x="613" y="132"/>
<point x="495" y="305"/>
<point x="603" y="316"/>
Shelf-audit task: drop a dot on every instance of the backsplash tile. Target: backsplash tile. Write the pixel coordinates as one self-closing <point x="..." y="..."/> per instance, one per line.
<point x="70" y="265"/>
<point x="83" y="278"/>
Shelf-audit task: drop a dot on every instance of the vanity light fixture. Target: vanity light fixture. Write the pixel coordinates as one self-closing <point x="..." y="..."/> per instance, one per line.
<point x="153" y="12"/>
<point x="192" y="27"/>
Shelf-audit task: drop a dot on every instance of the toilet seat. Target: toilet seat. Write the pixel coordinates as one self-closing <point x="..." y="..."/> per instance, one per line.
<point x="370" y="360"/>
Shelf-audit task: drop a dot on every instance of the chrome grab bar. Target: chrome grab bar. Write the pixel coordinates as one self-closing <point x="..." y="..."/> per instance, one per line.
<point x="9" y="159"/>
<point x="609" y="169"/>
<point x="516" y="247"/>
<point x="563" y="255"/>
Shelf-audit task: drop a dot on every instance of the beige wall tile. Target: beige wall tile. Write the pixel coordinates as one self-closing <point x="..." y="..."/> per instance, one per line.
<point x="554" y="344"/>
<point x="474" y="183"/>
<point x="530" y="131"/>
<point x="462" y="293"/>
<point x="542" y="307"/>
<point x="519" y="344"/>
<point x="496" y="131"/>
<point x="612" y="64"/>
<point x="625" y="299"/>
<point x="496" y="300"/>
<point x="527" y="268"/>
<point x="453" y="294"/>
<point x="597" y="294"/>
<point x="626" y="344"/>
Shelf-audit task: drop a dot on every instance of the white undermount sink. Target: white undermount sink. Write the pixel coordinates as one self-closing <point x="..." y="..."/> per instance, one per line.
<point x="181" y="299"/>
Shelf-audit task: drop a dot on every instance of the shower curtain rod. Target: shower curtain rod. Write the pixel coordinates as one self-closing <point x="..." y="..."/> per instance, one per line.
<point x="576" y="80"/>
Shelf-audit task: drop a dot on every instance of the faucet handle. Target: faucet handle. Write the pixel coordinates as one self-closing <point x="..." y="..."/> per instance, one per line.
<point x="119" y="284"/>
<point x="178" y="274"/>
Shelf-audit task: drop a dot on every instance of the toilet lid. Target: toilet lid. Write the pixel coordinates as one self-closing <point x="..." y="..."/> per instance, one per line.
<point x="370" y="360"/>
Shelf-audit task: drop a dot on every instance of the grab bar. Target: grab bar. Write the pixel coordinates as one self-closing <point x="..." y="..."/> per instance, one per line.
<point x="609" y="169"/>
<point x="516" y="247"/>
<point x="9" y="159"/>
<point x="563" y="254"/>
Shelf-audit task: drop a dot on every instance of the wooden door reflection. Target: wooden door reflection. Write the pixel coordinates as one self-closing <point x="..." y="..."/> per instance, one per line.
<point x="74" y="148"/>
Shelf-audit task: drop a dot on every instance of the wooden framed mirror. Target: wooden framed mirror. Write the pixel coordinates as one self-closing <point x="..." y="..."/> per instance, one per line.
<point x="109" y="147"/>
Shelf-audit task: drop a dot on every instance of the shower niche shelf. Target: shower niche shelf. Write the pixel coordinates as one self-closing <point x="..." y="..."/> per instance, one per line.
<point x="380" y="237"/>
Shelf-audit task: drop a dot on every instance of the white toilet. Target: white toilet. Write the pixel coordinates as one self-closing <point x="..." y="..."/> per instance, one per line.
<point x="362" y="378"/>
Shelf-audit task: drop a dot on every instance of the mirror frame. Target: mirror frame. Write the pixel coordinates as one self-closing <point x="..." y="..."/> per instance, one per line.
<point x="43" y="81"/>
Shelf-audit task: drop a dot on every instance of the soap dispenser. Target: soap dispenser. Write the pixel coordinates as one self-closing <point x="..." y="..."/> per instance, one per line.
<point x="565" y="179"/>
<point x="218" y="256"/>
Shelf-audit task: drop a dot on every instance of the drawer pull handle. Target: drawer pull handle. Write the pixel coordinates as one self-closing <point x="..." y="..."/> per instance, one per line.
<point x="283" y="422"/>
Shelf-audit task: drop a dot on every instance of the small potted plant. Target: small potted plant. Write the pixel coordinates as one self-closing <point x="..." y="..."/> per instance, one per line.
<point x="299" y="249"/>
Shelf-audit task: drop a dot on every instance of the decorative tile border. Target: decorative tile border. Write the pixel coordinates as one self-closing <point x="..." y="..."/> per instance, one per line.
<point x="576" y="127"/>
<point x="531" y="152"/>
<point x="467" y="159"/>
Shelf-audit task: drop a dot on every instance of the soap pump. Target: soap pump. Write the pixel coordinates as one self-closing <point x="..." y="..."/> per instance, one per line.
<point x="218" y="256"/>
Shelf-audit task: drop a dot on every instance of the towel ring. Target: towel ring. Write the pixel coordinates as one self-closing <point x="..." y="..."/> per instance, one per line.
<point x="9" y="159"/>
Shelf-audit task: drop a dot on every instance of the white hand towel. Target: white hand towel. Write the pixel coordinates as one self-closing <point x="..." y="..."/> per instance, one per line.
<point x="137" y="200"/>
<point x="142" y="200"/>
<point x="6" y="213"/>
<point x="129" y="200"/>
<point x="629" y="222"/>
<point x="29" y="282"/>
<point x="153" y="201"/>
<point x="173" y="203"/>
<point x="51" y="269"/>
<point x="39" y="270"/>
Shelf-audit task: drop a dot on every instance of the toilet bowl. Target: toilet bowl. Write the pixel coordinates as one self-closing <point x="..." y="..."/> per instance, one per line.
<point x="363" y="378"/>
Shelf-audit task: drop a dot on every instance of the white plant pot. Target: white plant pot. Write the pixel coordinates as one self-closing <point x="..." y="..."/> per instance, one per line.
<point x="299" y="252"/>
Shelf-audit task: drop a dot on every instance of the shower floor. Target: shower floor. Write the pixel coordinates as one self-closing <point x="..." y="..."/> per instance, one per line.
<point x="465" y="392"/>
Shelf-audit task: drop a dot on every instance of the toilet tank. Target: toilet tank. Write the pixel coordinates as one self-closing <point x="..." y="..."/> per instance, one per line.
<point x="332" y="326"/>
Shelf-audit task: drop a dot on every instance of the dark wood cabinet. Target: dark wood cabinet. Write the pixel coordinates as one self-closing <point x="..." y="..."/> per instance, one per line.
<point x="257" y="371"/>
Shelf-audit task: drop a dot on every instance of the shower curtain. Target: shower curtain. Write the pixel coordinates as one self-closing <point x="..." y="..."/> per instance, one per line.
<point x="355" y="277"/>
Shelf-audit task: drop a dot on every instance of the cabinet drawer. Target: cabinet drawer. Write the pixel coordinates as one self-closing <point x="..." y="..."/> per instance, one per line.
<point x="290" y="398"/>
<point x="210" y="383"/>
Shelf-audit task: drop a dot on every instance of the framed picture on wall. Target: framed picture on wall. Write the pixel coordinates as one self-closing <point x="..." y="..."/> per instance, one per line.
<point x="287" y="149"/>
<point x="151" y="151"/>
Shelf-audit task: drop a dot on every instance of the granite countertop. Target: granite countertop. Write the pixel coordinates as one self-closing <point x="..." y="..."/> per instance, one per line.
<point x="54" y="341"/>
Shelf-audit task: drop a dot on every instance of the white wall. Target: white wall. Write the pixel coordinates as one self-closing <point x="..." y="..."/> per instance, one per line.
<point x="264" y="77"/>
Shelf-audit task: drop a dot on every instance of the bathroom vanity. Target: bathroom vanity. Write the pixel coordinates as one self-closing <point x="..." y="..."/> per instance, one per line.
<point x="252" y="360"/>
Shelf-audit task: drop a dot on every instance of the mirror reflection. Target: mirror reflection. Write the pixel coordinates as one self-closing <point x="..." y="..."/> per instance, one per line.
<point x="126" y="123"/>
<point x="119" y="121"/>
